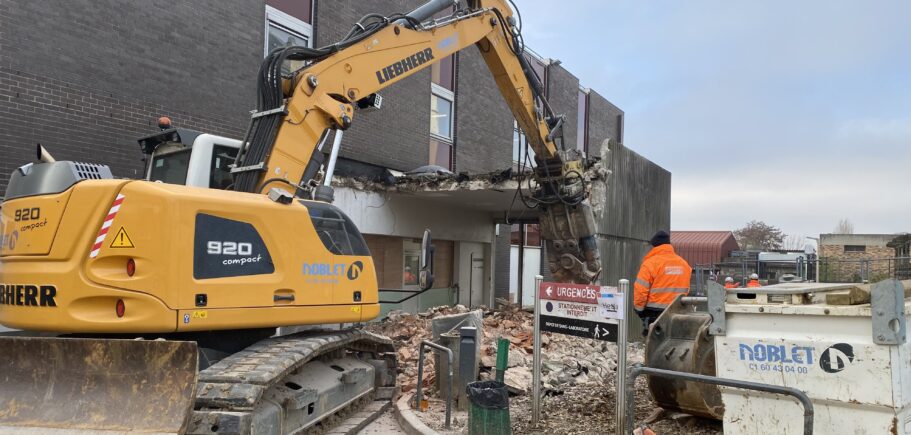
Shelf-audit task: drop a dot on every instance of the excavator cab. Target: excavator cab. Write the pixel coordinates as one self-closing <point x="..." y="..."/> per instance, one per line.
<point x="188" y="157"/>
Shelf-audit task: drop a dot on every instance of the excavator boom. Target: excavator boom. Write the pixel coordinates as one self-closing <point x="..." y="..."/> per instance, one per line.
<point x="293" y="115"/>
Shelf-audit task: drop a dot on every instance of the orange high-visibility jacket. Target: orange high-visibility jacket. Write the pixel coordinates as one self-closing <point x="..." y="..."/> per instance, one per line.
<point x="731" y="285"/>
<point x="753" y="283"/>
<point x="663" y="276"/>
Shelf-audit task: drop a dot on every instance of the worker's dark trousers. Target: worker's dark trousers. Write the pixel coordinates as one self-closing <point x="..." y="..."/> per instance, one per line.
<point x="648" y="316"/>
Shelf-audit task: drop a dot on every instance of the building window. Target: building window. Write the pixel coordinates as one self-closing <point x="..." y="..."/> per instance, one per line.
<point x="411" y="263"/>
<point x="855" y="248"/>
<point x="441" y="105"/>
<point x="520" y="148"/>
<point x="522" y="154"/>
<point x="300" y="9"/>
<point x="582" y="123"/>
<point x="442" y="111"/>
<point x="532" y="235"/>
<point x="283" y="30"/>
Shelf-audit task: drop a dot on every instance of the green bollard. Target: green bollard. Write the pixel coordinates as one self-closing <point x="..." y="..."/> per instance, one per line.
<point x="488" y="413"/>
<point x="502" y="358"/>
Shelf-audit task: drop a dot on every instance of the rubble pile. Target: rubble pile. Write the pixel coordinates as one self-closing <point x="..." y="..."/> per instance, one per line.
<point x="566" y="361"/>
<point x="578" y="374"/>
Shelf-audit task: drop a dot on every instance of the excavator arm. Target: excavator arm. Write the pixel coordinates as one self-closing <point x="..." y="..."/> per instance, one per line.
<point x="285" y="144"/>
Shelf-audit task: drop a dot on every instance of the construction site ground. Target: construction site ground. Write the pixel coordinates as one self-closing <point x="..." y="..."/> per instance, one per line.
<point x="578" y="376"/>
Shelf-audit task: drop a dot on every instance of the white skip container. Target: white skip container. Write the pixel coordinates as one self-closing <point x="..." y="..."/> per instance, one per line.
<point x="853" y="361"/>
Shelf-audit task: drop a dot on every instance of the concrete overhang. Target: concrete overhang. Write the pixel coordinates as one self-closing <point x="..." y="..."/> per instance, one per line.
<point x="495" y="194"/>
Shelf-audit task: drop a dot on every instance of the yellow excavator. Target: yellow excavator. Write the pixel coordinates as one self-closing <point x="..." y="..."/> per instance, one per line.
<point x="153" y="306"/>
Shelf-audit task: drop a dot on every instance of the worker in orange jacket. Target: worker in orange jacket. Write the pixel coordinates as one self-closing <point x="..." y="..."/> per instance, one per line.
<point x="729" y="283"/>
<point x="662" y="276"/>
<point x="754" y="281"/>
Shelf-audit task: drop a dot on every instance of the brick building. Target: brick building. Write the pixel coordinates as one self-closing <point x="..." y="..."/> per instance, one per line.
<point x="86" y="78"/>
<point x="857" y="257"/>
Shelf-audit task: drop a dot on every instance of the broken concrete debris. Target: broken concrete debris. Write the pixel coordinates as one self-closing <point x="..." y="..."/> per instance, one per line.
<point x="578" y="374"/>
<point x="567" y="360"/>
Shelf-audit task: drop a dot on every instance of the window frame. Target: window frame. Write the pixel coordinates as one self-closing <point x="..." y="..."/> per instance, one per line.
<point x="522" y="146"/>
<point x="854" y="248"/>
<point x="288" y="23"/>
<point x="409" y="248"/>
<point x="445" y="94"/>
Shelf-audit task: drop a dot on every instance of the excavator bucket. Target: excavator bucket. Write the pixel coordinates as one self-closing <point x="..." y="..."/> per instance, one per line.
<point x="679" y="340"/>
<point x="92" y="386"/>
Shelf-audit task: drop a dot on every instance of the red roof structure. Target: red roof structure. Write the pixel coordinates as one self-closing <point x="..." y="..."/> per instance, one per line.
<point x="704" y="247"/>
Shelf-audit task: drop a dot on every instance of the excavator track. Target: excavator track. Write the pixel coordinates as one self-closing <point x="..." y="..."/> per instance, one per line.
<point x="300" y="383"/>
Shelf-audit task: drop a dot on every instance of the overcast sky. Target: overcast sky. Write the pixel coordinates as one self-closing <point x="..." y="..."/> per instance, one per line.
<point x="797" y="113"/>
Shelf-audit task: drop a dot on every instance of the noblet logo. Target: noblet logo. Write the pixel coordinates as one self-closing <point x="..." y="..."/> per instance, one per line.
<point x="355" y="270"/>
<point x="836" y="358"/>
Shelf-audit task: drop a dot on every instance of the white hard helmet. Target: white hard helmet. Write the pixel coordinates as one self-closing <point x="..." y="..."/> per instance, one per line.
<point x="729" y="279"/>
<point x="754" y="276"/>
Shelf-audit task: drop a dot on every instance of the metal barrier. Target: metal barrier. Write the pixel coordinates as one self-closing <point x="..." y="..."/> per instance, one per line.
<point x="418" y="396"/>
<point x="863" y="269"/>
<point x="639" y="369"/>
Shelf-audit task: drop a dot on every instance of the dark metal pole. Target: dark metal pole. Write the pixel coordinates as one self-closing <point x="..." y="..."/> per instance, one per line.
<point x="776" y="389"/>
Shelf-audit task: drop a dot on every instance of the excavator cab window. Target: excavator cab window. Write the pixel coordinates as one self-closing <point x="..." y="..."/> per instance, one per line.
<point x="220" y="173"/>
<point x="336" y="231"/>
<point x="171" y="167"/>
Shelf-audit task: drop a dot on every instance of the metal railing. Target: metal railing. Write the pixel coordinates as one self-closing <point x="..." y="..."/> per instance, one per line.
<point x="864" y="269"/>
<point x="418" y="396"/>
<point x="823" y="269"/>
<point x="639" y="369"/>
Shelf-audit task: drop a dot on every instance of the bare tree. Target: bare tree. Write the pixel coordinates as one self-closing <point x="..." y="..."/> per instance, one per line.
<point x="794" y="242"/>
<point x="759" y="235"/>
<point x="844" y="227"/>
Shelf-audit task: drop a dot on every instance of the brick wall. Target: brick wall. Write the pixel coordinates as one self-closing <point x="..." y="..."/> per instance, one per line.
<point x="605" y="121"/>
<point x="839" y="266"/>
<point x="197" y="57"/>
<point x="87" y="78"/>
<point x="78" y="123"/>
<point x="483" y="120"/>
<point x="563" y="96"/>
<point x="398" y="135"/>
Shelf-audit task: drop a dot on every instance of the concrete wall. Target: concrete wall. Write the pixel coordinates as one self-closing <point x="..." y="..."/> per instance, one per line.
<point x="869" y="240"/>
<point x="502" y="272"/>
<point x="406" y="216"/>
<point x="87" y="78"/>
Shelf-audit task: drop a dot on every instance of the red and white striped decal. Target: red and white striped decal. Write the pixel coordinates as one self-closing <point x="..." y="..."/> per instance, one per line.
<point x="103" y="232"/>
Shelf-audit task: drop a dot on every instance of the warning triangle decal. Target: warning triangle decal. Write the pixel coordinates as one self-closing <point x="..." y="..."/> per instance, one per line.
<point x="122" y="240"/>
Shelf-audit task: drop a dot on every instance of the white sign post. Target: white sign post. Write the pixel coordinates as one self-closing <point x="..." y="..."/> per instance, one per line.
<point x="622" y="338"/>
<point x="583" y="311"/>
